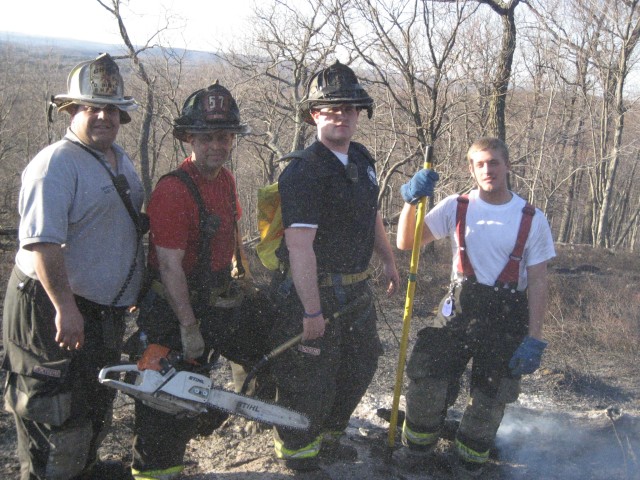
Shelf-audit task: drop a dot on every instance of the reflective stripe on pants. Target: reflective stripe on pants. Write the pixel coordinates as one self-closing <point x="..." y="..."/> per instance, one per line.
<point x="308" y="451"/>
<point x="418" y="439"/>
<point x="166" y="474"/>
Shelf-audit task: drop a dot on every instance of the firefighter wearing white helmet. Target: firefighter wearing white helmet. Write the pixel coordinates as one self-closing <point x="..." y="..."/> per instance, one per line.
<point x="195" y="245"/>
<point x="78" y="268"/>
<point x="329" y="194"/>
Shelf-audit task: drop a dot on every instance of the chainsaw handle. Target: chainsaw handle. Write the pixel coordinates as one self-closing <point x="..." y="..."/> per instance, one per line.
<point x="145" y="381"/>
<point x="102" y="376"/>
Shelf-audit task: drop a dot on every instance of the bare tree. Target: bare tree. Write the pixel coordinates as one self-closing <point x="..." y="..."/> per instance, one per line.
<point x="625" y="33"/>
<point x="504" y="62"/>
<point x="410" y="50"/>
<point x="26" y="87"/>
<point x="605" y="59"/>
<point x="442" y="72"/>
<point x="291" y="41"/>
<point x="497" y="107"/>
<point x="113" y="7"/>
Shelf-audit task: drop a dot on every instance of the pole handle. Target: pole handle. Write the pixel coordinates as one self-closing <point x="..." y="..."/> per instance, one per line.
<point x="408" y="308"/>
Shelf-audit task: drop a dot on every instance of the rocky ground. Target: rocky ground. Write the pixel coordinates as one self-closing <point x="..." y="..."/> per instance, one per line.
<point x="578" y="416"/>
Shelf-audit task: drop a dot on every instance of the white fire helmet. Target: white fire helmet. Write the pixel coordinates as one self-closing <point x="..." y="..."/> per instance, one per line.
<point x="96" y="83"/>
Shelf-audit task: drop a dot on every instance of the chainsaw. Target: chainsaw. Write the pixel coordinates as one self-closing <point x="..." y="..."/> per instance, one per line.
<point x="155" y="381"/>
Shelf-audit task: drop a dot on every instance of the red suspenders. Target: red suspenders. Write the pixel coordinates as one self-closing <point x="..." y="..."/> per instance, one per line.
<point x="464" y="265"/>
<point x="510" y="273"/>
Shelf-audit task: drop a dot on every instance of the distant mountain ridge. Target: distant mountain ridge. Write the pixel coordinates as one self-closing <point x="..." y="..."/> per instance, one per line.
<point x="80" y="46"/>
<point x="79" y="49"/>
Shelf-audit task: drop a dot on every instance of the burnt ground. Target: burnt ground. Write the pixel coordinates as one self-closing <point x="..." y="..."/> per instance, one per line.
<point x="577" y="418"/>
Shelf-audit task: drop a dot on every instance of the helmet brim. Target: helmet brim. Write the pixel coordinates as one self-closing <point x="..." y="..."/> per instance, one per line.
<point x="63" y="105"/>
<point x="125" y="104"/>
<point x="307" y="106"/>
<point x="182" y="132"/>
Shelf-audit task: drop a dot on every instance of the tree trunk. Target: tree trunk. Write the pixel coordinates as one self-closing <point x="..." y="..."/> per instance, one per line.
<point x="497" y="106"/>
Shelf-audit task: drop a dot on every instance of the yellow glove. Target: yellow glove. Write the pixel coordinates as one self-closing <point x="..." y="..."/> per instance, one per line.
<point x="192" y="341"/>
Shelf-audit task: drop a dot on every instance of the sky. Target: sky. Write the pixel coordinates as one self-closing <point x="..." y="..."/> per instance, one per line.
<point x="196" y="24"/>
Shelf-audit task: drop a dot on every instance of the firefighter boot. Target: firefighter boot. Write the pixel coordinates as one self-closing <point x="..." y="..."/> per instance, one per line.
<point x="477" y="433"/>
<point x="333" y="451"/>
<point x="417" y="454"/>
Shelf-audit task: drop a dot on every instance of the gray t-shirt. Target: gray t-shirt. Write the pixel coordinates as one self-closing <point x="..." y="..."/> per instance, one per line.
<point x="68" y="198"/>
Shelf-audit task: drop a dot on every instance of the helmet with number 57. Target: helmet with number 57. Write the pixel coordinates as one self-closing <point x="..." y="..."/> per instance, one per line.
<point x="209" y="109"/>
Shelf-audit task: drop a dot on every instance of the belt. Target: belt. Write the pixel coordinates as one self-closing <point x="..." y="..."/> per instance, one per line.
<point x="215" y="296"/>
<point x="98" y="309"/>
<point x="332" y="279"/>
<point x="459" y="281"/>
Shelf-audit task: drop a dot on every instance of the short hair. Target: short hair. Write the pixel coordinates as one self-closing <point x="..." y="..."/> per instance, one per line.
<point x="489" y="143"/>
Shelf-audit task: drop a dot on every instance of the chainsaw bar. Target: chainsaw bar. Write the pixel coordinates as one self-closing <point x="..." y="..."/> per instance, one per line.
<point x="184" y="393"/>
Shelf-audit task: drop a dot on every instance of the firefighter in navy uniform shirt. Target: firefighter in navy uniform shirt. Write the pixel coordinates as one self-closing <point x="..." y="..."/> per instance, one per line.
<point x="332" y="226"/>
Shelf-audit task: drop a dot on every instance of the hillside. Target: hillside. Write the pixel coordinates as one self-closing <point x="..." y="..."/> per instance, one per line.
<point x="578" y="416"/>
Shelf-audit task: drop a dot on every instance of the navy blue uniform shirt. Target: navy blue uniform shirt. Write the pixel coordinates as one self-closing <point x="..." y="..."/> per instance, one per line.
<point x="317" y="190"/>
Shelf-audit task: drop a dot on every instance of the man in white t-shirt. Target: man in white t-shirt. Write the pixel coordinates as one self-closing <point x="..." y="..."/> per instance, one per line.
<point x="493" y="312"/>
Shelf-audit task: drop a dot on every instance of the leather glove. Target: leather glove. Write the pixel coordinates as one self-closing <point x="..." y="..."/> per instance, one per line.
<point x="192" y="341"/>
<point x="420" y="185"/>
<point x="527" y="357"/>
<point x="247" y="285"/>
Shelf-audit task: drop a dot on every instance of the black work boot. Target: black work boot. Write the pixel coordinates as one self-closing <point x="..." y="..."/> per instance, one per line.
<point x="107" y="469"/>
<point x="412" y="459"/>
<point x="334" y="452"/>
<point x="464" y="470"/>
<point x="308" y="464"/>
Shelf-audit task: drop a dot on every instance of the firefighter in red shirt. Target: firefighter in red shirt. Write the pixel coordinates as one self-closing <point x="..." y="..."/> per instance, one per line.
<point x="194" y="242"/>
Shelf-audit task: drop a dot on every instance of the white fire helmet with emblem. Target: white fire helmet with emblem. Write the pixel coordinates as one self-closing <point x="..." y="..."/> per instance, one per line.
<point x="96" y="83"/>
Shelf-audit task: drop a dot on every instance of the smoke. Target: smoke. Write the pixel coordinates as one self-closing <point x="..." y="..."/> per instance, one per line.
<point x="535" y="444"/>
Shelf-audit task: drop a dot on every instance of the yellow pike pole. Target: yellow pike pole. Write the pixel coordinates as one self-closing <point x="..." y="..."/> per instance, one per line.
<point x="408" y="306"/>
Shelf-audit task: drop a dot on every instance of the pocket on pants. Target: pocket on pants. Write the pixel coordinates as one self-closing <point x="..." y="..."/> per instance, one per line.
<point x="36" y="400"/>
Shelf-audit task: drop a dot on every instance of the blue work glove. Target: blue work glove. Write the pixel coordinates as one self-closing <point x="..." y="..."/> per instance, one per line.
<point x="420" y="185"/>
<point x="527" y="357"/>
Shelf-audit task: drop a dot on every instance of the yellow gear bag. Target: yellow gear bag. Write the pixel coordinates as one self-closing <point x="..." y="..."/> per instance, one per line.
<point x="269" y="225"/>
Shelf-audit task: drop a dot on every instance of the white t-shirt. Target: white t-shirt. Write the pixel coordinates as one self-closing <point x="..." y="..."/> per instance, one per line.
<point x="490" y="235"/>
